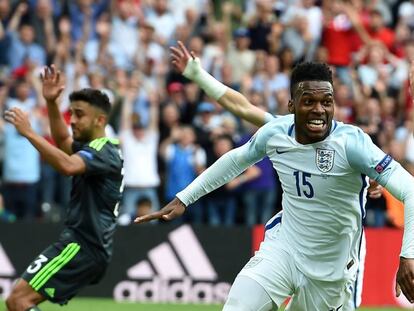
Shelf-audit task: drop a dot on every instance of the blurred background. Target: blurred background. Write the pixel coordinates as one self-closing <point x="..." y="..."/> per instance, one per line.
<point x="170" y="131"/>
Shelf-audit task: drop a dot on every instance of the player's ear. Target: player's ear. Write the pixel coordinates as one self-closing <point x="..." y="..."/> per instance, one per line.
<point x="291" y="106"/>
<point x="101" y="120"/>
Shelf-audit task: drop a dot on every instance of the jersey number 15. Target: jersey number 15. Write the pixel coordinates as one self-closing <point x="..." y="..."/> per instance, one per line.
<point x="303" y="185"/>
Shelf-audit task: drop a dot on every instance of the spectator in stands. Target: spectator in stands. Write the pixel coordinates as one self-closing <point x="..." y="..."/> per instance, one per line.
<point x="139" y="146"/>
<point x="21" y="167"/>
<point x="84" y="15"/>
<point x="259" y="190"/>
<point x="162" y="20"/>
<point x="184" y="161"/>
<point x="117" y="45"/>
<point x="22" y="48"/>
<point x="270" y="81"/>
<point x="240" y="57"/>
<point x="303" y="24"/>
<point x="221" y="204"/>
<point x="406" y="12"/>
<point x="44" y="26"/>
<point x="123" y="37"/>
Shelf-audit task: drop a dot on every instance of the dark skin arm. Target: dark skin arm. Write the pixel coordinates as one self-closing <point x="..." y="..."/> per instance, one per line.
<point x="171" y="211"/>
<point x="405" y="273"/>
<point x="232" y="101"/>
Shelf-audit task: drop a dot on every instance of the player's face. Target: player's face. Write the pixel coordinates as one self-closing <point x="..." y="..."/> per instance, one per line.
<point x="84" y="119"/>
<point x="313" y="106"/>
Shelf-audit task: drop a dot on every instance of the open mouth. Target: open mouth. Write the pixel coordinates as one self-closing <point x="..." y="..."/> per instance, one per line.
<point x="316" y="125"/>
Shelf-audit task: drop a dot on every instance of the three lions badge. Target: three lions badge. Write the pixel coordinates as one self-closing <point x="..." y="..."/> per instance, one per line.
<point x="324" y="159"/>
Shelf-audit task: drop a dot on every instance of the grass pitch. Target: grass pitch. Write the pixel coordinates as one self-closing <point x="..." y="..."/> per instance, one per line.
<point x="92" y="304"/>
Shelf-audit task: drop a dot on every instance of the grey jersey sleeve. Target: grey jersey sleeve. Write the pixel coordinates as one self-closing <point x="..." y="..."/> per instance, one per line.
<point x="230" y="165"/>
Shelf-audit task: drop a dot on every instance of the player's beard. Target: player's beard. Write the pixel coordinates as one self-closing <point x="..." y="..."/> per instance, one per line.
<point x="82" y="135"/>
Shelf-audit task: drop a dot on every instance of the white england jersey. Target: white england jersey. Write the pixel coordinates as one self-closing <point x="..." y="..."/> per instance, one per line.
<point x="324" y="192"/>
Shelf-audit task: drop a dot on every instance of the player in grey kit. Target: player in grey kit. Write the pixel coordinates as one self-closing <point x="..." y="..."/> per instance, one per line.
<point x="84" y="248"/>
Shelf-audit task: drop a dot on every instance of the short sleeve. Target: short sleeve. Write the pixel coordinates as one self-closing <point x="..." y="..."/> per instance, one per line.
<point x="364" y="156"/>
<point x="98" y="161"/>
<point x="76" y="146"/>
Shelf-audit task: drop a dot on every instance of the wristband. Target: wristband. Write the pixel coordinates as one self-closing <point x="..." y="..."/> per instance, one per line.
<point x="213" y="88"/>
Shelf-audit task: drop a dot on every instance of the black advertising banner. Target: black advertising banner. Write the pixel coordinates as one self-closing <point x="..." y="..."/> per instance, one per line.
<point x="156" y="263"/>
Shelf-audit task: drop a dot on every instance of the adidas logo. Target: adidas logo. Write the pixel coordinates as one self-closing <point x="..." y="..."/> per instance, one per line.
<point x="175" y="271"/>
<point x="7" y="273"/>
<point x="163" y="259"/>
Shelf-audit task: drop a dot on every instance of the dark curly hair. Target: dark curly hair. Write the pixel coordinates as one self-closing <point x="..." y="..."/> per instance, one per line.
<point x="94" y="97"/>
<point x="310" y="71"/>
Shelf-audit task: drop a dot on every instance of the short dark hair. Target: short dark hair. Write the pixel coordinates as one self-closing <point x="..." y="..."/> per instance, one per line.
<point x="310" y="71"/>
<point x="94" y="97"/>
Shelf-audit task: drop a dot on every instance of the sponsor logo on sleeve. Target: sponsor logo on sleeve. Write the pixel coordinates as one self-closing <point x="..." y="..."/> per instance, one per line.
<point x="86" y="154"/>
<point x="383" y="164"/>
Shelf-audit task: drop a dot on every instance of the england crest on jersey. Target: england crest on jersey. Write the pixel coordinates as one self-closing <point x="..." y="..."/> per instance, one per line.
<point x="324" y="159"/>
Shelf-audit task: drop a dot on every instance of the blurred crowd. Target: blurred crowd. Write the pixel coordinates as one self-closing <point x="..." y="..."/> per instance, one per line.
<point x="170" y="132"/>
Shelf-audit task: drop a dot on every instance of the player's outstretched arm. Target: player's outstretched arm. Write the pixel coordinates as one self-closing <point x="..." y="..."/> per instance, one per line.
<point x="401" y="185"/>
<point x="412" y="80"/>
<point x="59" y="160"/>
<point x="402" y="188"/>
<point x="171" y="211"/>
<point x="225" y="169"/>
<point x="51" y="89"/>
<point x="189" y="65"/>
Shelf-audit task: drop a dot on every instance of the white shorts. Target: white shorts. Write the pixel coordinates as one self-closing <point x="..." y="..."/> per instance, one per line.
<point x="356" y="299"/>
<point x="281" y="279"/>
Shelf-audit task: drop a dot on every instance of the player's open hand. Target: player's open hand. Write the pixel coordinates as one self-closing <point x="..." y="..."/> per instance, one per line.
<point x="184" y="61"/>
<point x="19" y="119"/>
<point x="52" y="86"/>
<point x="172" y="210"/>
<point x="180" y="56"/>
<point x="405" y="279"/>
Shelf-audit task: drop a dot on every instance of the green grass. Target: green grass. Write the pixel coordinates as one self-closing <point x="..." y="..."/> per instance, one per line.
<point x="90" y="304"/>
<point x="81" y="304"/>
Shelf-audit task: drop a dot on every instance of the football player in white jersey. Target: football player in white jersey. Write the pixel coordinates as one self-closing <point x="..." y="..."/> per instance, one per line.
<point x="241" y="107"/>
<point x="313" y="254"/>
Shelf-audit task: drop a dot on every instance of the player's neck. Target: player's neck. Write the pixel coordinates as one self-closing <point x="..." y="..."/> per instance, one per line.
<point x="99" y="133"/>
